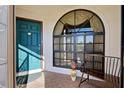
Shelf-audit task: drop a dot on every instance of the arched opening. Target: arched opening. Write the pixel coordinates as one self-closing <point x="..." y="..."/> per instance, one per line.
<point x="76" y="35"/>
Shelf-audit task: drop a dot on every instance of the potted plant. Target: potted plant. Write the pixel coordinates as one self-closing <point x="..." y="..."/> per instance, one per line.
<point x="73" y="71"/>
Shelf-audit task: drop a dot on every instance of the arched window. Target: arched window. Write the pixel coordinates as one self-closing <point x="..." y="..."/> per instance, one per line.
<point x="76" y="35"/>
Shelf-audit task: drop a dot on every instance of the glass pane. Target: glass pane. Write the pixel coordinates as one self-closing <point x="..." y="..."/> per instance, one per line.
<point x="89" y="48"/>
<point x="57" y="55"/>
<point x="77" y="30"/>
<point x="89" y="39"/>
<point x="57" y="62"/>
<point x="56" y="40"/>
<point x="63" y="55"/>
<point x="56" y="47"/>
<point x="82" y="30"/>
<point x="69" y="40"/>
<point x="63" y="47"/>
<point x="98" y="59"/>
<point x="80" y="47"/>
<point x="80" y="39"/>
<point x="68" y="18"/>
<point x="80" y="56"/>
<point x="70" y="56"/>
<point x="68" y="62"/>
<point x="63" y="62"/>
<point x="58" y="29"/>
<point x="88" y="57"/>
<point x="89" y="60"/>
<point x="96" y="24"/>
<point x="82" y="16"/>
<point x="98" y="63"/>
<point x="98" y="39"/>
<point x="70" y="30"/>
<point x="98" y="48"/>
<point x="62" y="40"/>
<point x="70" y="47"/>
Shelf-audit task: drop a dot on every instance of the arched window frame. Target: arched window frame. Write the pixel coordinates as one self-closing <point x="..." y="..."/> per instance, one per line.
<point x="95" y="33"/>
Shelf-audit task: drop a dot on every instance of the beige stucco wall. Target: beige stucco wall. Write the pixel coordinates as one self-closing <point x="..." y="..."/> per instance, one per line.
<point x="110" y="15"/>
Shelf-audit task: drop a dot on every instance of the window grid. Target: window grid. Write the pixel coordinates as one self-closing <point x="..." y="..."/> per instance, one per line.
<point x="74" y="32"/>
<point x="77" y="52"/>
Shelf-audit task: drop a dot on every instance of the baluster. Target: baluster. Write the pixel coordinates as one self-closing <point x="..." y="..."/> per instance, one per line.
<point x="116" y="66"/>
<point x="106" y="65"/>
<point x="109" y="65"/>
<point x="113" y="66"/>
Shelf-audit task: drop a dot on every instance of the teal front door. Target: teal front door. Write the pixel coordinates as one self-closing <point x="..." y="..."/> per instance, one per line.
<point x="28" y="45"/>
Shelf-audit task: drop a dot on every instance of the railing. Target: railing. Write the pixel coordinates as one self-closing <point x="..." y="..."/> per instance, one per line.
<point x="110" y="68"/>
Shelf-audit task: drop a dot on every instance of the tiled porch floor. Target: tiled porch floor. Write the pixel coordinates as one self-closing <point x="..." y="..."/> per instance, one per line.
<point x="56" y="80"/>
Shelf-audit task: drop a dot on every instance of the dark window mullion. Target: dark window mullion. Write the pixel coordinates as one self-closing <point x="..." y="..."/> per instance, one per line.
<point x="74" y="38"/>
<point x="66" y="50"/>
<point x="93" y="49"/>
<point x="84" y="47"/>
<point x="59" y="50"/>
<point x="103" y="53"/>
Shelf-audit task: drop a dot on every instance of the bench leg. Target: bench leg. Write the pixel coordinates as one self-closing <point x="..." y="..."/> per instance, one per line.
<point x="88" y="77"/>
<point x="83" y="80"/>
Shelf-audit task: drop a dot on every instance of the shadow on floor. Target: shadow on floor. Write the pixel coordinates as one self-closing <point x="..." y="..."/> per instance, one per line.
<point x="35" y="80"/>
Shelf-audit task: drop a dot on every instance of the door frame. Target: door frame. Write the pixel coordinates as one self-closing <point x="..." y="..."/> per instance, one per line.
<point x="10" y="48"/>
<point x="41" y="47"/>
